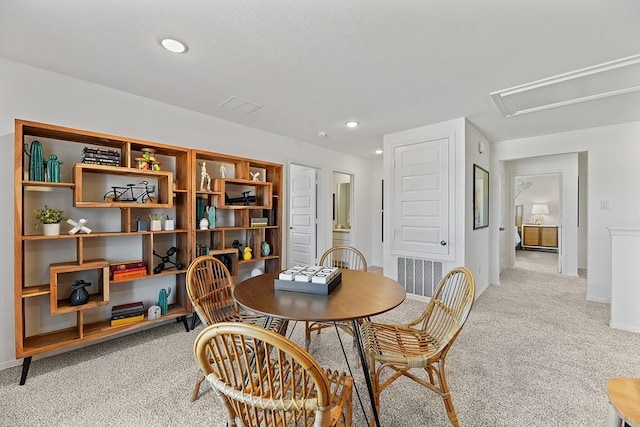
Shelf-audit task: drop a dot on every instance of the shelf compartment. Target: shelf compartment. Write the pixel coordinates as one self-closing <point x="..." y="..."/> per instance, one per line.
<point x="58" y="270"/>
<point x="164" y="190"/>
<point x="233" y="189"/>
<point x="90" y="332"/>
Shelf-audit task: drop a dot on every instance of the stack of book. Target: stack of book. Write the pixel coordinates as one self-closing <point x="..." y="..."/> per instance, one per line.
<point x="127" y="270"/>
<point x="100" y="156"/>
<point x="259" y="222"/>
<point x="127" y="313"/>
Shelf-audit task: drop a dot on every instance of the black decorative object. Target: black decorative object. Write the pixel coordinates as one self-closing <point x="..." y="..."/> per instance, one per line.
<point x="79" y="294"/>
<point x="236" y="244"/>
<point x="165" y="260"/>
<point x="245" y="200"/>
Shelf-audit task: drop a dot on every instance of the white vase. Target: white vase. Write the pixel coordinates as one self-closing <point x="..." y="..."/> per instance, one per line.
<point x="51" y="229"/>
<point x="169" y="225"/>
<point x="155" y="225"/>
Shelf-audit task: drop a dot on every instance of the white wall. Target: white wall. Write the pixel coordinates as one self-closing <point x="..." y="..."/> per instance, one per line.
<point x="34" y="94"/>
<point x="376" y="214"/>
<point x="476" y="243"/>
<point x="613" y="153"/>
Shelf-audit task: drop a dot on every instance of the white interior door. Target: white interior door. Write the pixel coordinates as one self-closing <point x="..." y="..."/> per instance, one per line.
<point x="302" y="215"/>
<point x="420" y="198"/>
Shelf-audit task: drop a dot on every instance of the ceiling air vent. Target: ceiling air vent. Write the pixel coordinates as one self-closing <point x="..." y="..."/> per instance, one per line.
<point x="608" y="79"/>
<point x="233" y="103"/>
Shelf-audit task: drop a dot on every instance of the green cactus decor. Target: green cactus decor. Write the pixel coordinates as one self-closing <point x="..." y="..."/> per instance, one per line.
<point x="53" y="168"/>
<point x="163" y="300"/>
<point x="36" y="161"/>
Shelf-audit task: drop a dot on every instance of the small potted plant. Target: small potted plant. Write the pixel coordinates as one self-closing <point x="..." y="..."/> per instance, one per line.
<point x="169" y="224"/>
<point x="50" y="219"/>
<point x="155" y="221"/>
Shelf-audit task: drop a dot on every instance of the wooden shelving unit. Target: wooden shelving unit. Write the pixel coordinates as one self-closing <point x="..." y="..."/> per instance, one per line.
<point x="81" y="194"/>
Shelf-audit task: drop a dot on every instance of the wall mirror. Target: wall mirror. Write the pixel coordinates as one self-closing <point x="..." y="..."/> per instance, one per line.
<point x="480" y="197"/>
<point x="342" y="187"/>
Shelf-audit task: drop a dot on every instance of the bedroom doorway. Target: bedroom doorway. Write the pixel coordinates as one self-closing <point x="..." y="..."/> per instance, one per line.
<point x="538" y="222"/>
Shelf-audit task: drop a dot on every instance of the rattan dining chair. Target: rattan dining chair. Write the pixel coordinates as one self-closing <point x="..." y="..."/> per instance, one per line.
<point x="346" y="257"/>
<point x="423" y="343"/>
<point x="210" y="289"/>
<point x="278" y="384"/>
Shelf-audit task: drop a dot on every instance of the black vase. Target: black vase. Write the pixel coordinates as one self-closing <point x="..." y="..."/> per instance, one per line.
<point x="79" y="294"/>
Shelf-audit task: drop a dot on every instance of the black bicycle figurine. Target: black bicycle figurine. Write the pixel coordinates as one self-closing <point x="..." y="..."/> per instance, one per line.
<point x="142" y="193"/>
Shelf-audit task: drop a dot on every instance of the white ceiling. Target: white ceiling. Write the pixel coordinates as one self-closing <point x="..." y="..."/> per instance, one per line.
<point x="315" y="64"/>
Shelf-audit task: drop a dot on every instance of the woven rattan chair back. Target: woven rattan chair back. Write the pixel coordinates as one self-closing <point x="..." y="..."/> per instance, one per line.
<point x="210" y="288"/>
<point x="448" y="309"/>
<point x="423" y="343"/>
<point x="278" y="384"/>
<point x="346" y="257"/>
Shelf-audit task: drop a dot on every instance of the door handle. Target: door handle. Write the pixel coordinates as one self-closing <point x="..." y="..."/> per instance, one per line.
<point x="501" y="228"/>
<point x="443" y="243"/>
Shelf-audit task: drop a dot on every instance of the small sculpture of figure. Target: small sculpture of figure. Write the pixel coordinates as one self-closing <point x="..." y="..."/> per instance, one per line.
<point x="53" y="168"/>
<point x="223" y="170"/>
<point x="254" y="176"/>
<point x="204" y="175"/>
<point x="246" y="253"/>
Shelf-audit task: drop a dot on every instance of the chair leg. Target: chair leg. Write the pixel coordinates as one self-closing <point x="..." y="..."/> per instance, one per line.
<point x="307" y="336"/>
<point x="196" y="388"/>
<point x="446" y="397"/>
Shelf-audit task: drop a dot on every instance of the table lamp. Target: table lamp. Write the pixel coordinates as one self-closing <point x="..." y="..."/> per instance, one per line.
<point x="540" y="211"/>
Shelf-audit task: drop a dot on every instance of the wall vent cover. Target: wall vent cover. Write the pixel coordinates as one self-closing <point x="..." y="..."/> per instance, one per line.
<point x="611" y="78"/>
<point x="419" y="276"/>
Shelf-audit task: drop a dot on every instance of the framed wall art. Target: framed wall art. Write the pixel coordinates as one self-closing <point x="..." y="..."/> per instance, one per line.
<point x="480" y="197"/>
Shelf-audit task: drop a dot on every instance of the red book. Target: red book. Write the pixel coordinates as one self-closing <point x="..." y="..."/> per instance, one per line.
<point x="126" y="265"/>
<point x="130" y="273"/>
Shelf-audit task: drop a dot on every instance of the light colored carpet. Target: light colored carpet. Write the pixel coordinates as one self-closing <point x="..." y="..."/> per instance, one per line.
<point x="534" y="352"/>
<point x="540" y="261"/>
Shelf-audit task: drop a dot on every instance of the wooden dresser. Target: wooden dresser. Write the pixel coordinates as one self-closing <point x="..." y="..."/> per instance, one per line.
<point x="536" y="236"/>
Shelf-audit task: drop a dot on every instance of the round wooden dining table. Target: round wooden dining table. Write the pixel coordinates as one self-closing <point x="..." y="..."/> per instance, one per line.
<point x="359" y="295"/>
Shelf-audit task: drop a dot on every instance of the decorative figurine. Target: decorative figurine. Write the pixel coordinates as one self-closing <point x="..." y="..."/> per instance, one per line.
<point x="211" y="211"/>
<point x="36" y="161"/>
<point x="246" y="254"/>
<point x="265" y="249"/>
<point x="79" y="294"/>
<point x="204" y="176"/>
<point x="236" y="244"/>
<point x="53" y="168"/>
<point x="163" y="300"/>
<point x="254" y="176"/>
<point x="165" y="260"/>
<point x="223" y="170"/>
<point x="204" y="224"/>
<point x="80" y="225"/>
<point x="154" y="312"/>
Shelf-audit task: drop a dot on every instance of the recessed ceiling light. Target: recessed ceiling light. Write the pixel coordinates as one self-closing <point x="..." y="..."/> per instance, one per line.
<point x="174" y="45"/>
<point x="378" y="151"/>
<point x="352" y="124"/>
